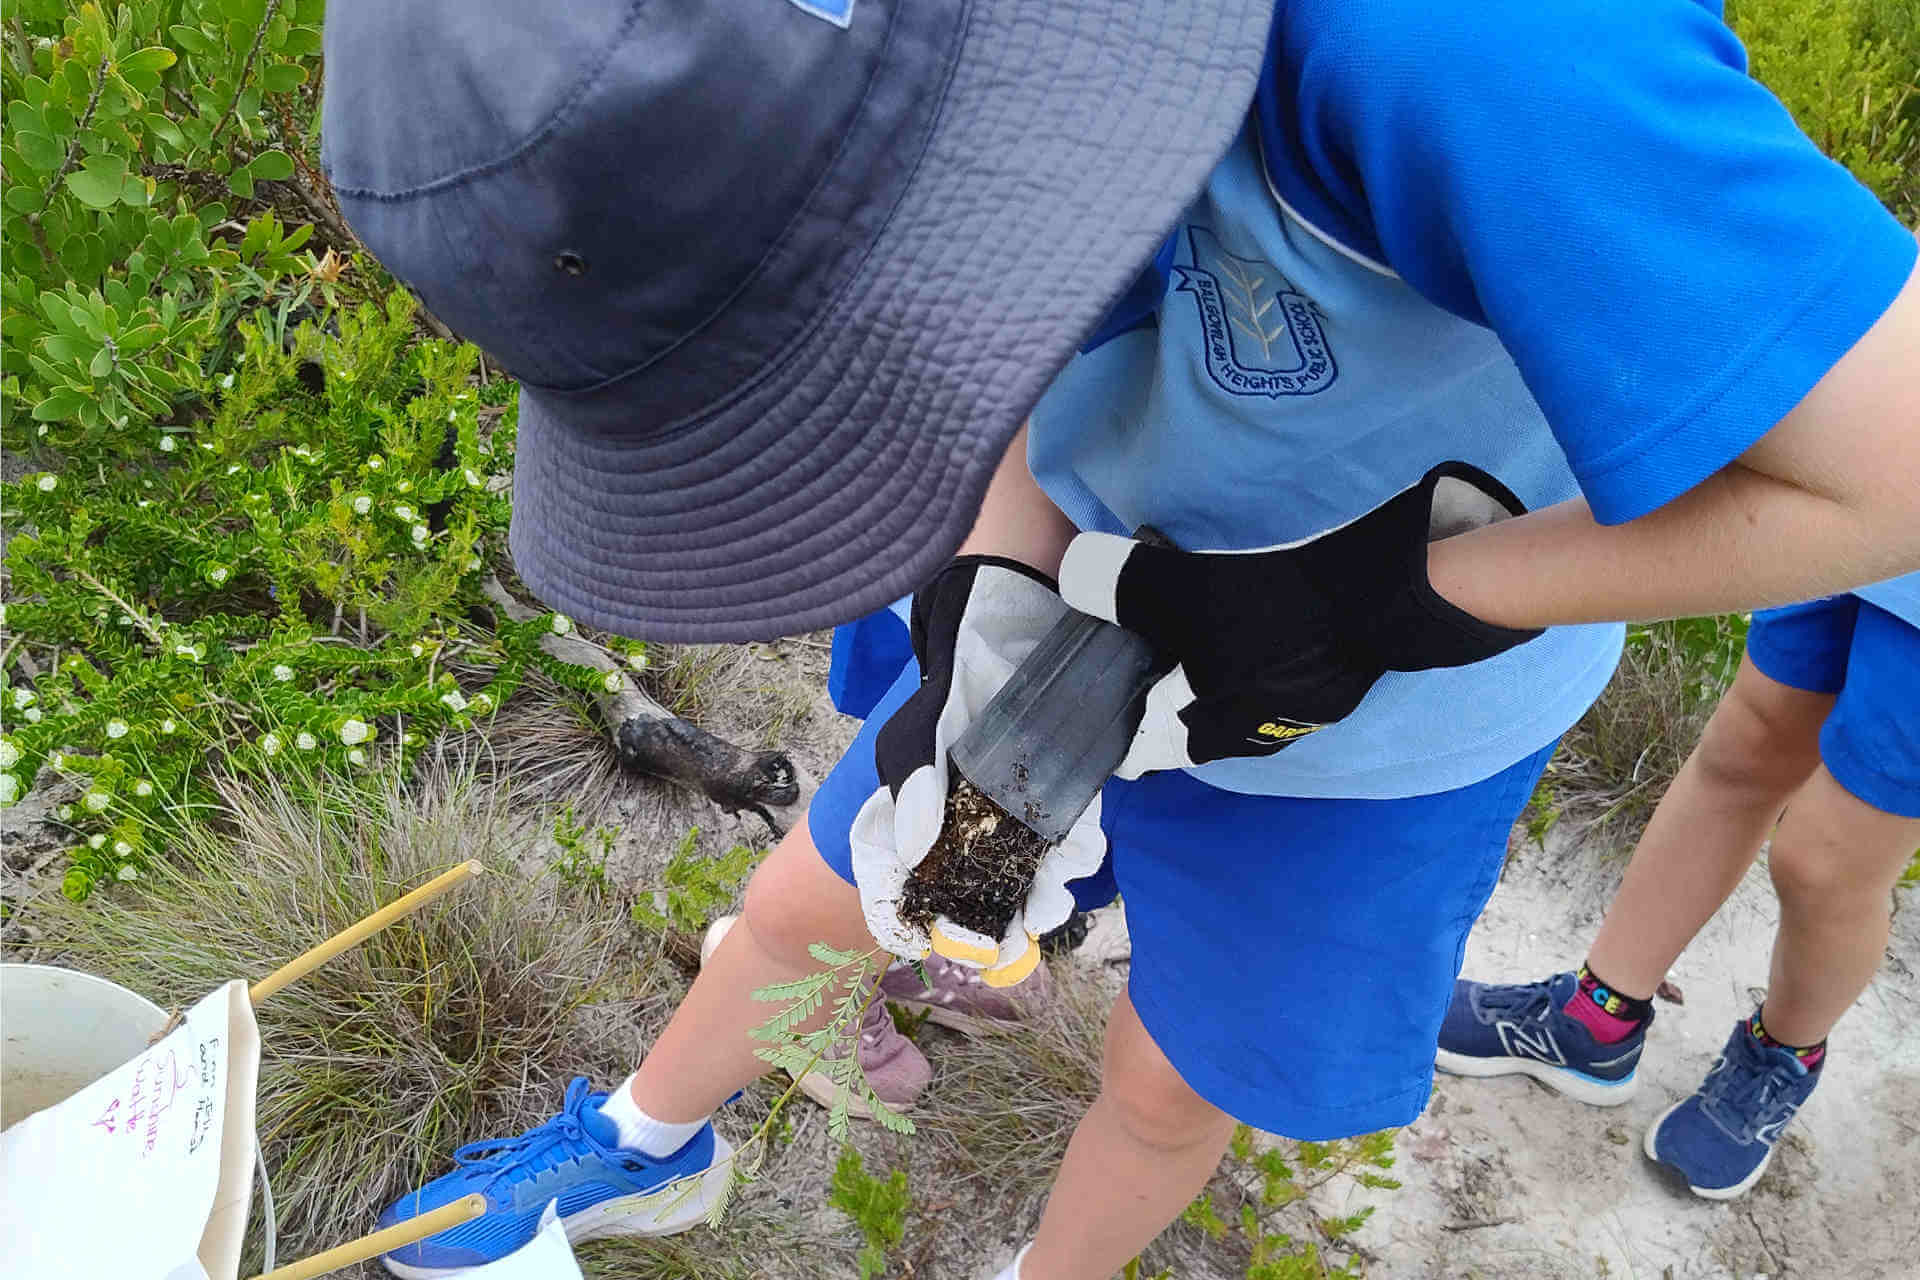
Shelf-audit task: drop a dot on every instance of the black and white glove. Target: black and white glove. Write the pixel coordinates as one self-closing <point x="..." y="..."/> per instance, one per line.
<point x="1270" y="645"/>
<point x="972" y="627"/>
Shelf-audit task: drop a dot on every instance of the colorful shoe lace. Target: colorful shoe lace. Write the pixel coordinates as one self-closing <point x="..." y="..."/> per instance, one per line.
<point x="1722" y="1137"/>
<point x="1521" y="1030"/>
<point x="574" y="1158"/>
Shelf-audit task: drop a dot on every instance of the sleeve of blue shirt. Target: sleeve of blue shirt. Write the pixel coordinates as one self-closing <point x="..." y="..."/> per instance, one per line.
<point x="1671" y="263"/>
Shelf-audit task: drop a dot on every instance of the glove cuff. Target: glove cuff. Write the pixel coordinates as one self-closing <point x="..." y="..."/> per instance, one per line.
<point x="1415" y="628"/>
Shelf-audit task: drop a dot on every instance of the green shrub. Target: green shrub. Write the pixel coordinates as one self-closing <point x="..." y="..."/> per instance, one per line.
<point x="1849" y="71"/>
<point x="291" y="575"/>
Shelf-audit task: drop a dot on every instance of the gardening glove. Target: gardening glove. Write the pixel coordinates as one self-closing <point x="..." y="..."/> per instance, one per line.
<point x="971" y="627"/>
<point x="1269" y="645"/>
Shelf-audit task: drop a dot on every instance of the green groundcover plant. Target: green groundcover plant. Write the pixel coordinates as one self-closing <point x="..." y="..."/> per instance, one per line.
<point x="258" y="513"/>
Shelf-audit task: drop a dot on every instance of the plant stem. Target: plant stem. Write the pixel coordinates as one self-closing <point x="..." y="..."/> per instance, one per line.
<point x="73" y="155"/>
<point x="246" y="69"/>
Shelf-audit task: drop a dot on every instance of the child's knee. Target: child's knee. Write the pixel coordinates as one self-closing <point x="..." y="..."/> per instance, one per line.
<point x="1149" y="1099"/>
<point x="795" y="899"/>
<point x="1764" y="739"/>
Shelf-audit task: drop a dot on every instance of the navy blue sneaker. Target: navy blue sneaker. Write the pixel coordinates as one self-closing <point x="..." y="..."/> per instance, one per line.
<point x="573" y="1158"/>
<point x="1722" y="1137"/>
<point x="1520" y="1030"/>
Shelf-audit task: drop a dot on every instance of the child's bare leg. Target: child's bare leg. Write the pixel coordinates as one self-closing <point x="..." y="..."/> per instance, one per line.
<point x="1141" y="1153"/>
<point x="706" y="1053"/>
<point x="1834" y="862"/>
<point x="1760" y="745"/>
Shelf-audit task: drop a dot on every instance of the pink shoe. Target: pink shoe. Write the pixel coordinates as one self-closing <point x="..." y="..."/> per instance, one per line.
<point x="896" y="1070"/>
<point x="958" y="998"/>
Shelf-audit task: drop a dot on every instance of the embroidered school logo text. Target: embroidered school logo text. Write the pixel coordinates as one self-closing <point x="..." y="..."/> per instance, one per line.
<point x="1262" y="336"/>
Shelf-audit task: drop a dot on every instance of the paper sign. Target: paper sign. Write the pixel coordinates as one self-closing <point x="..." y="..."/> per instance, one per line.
<point x="144" y="1174"/>
<point x="547" y="1256"/>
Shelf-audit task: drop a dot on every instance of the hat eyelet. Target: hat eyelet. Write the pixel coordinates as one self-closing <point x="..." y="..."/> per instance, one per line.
<point x="570" y="262"/>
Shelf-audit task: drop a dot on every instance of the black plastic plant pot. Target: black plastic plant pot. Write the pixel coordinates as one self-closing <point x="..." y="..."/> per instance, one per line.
<point x="1056" y="731"/>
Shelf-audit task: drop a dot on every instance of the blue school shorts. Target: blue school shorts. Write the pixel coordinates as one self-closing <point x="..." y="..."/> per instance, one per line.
<point x="1843" y="645"/>
<point x="1292" y="957"/>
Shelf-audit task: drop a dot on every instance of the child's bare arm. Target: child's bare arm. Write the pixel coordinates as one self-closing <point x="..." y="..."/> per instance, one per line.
<point x="1827" y="500"/>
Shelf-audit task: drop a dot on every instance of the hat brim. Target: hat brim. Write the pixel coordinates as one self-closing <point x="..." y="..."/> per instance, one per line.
<point x="1070" y="139"/>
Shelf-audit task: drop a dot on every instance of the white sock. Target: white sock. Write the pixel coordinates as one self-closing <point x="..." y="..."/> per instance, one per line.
<point x="1013" y="1268"/>
<point x="640" y="1131"/>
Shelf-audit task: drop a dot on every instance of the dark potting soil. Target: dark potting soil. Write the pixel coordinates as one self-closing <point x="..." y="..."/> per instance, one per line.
<point x="980" y="867"/>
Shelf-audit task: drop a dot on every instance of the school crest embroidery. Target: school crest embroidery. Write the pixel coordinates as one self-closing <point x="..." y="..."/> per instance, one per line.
<point x="1262" y="336"/>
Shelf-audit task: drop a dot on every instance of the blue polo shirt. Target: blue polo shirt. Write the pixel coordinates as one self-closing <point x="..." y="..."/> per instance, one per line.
<point x="1568" y="241"/>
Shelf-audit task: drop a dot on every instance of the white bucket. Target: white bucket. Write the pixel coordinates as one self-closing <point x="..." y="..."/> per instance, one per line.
<point x="60" y="1030"/>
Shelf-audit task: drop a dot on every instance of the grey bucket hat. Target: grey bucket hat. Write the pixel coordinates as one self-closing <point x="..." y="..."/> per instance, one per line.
<point x="779" y="278"/>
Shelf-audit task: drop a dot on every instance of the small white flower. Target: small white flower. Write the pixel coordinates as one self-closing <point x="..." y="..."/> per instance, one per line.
<point x="232" y="468"/>
<point x="453" y="413"/>
<point x="614" y="682"/>
<point x="183" y="650"/>
<point x="282" y="672"/>
<point x="473" y="564"/>
<point x="306" y="741"/>
<point x="144" y="503"/>
<point x="270" y="743"/>
<point x="207" y="445"/>
<point x="143" y="788"/>
<point x="483" y="702"/>
<point x="24" y="698"/>
<point x="9" y="788"/>
<point x="58" y="759"/>
<point x="375" y="462"/>
<point x="226" y="383"/>
<point x="474" y="478"/>
<point x="420" y="535"/>
<point x="407" y="739"/>
<point x="9" y="754"/>
<point x="638" y="660"/>
<point x="66" y="813"/>
<point x="116" y="728"/>
<point x="168" y="726"/>
<point x="126" y="873"/>
<point x="561" y="624"/>
<point x="303" y="453"/>
<point x="362" y="504"/>
<point x="417" y="649"/>
<point x="168" y="444"/>
<point x="32" y="715"/>
<point x="96" y="842"/>
<point x="455" y="701"/>
<point x="124" y="620"/>
<point x="405" y="512"/>
<point x="218" y="574"/>
<point x="355" y="731"/>
<point x="47" y="484"/>
<point x="356" y="756"/>
<point x="40" y="430"/>
<point x="403" y="486"/>
<point x="122" y="848"/>
<point x="95" y="801"/>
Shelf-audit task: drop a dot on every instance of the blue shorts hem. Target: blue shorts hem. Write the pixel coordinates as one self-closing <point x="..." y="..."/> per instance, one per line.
<point x="1301" y="1121"/>
<point x="1861" y="780"/>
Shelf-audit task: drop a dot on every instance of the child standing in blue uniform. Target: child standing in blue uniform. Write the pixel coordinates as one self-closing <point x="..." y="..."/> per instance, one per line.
<point x="1823" y="720"/>
<point x="1564" y="258"/>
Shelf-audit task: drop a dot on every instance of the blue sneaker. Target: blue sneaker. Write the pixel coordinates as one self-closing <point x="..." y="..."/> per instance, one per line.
<point x="1722" y="1137"/>
<point x="573" y="1158"/>
<point x="1520" y="1030"/>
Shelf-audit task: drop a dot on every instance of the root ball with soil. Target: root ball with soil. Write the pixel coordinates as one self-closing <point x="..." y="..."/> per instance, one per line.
<point x="980" y="868"/>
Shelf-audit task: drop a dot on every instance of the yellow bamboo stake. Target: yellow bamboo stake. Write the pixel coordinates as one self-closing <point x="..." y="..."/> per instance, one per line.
<point x="301" y="966"/>
<point x="462" y="1210"/>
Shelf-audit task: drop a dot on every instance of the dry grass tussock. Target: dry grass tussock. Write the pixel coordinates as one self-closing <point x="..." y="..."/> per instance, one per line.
<point x="464" y="1021"/>
<point x="1617" y="762"/>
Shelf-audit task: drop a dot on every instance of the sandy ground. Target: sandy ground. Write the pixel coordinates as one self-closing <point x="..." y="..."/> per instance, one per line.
<point x="1502" y="1179"/>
